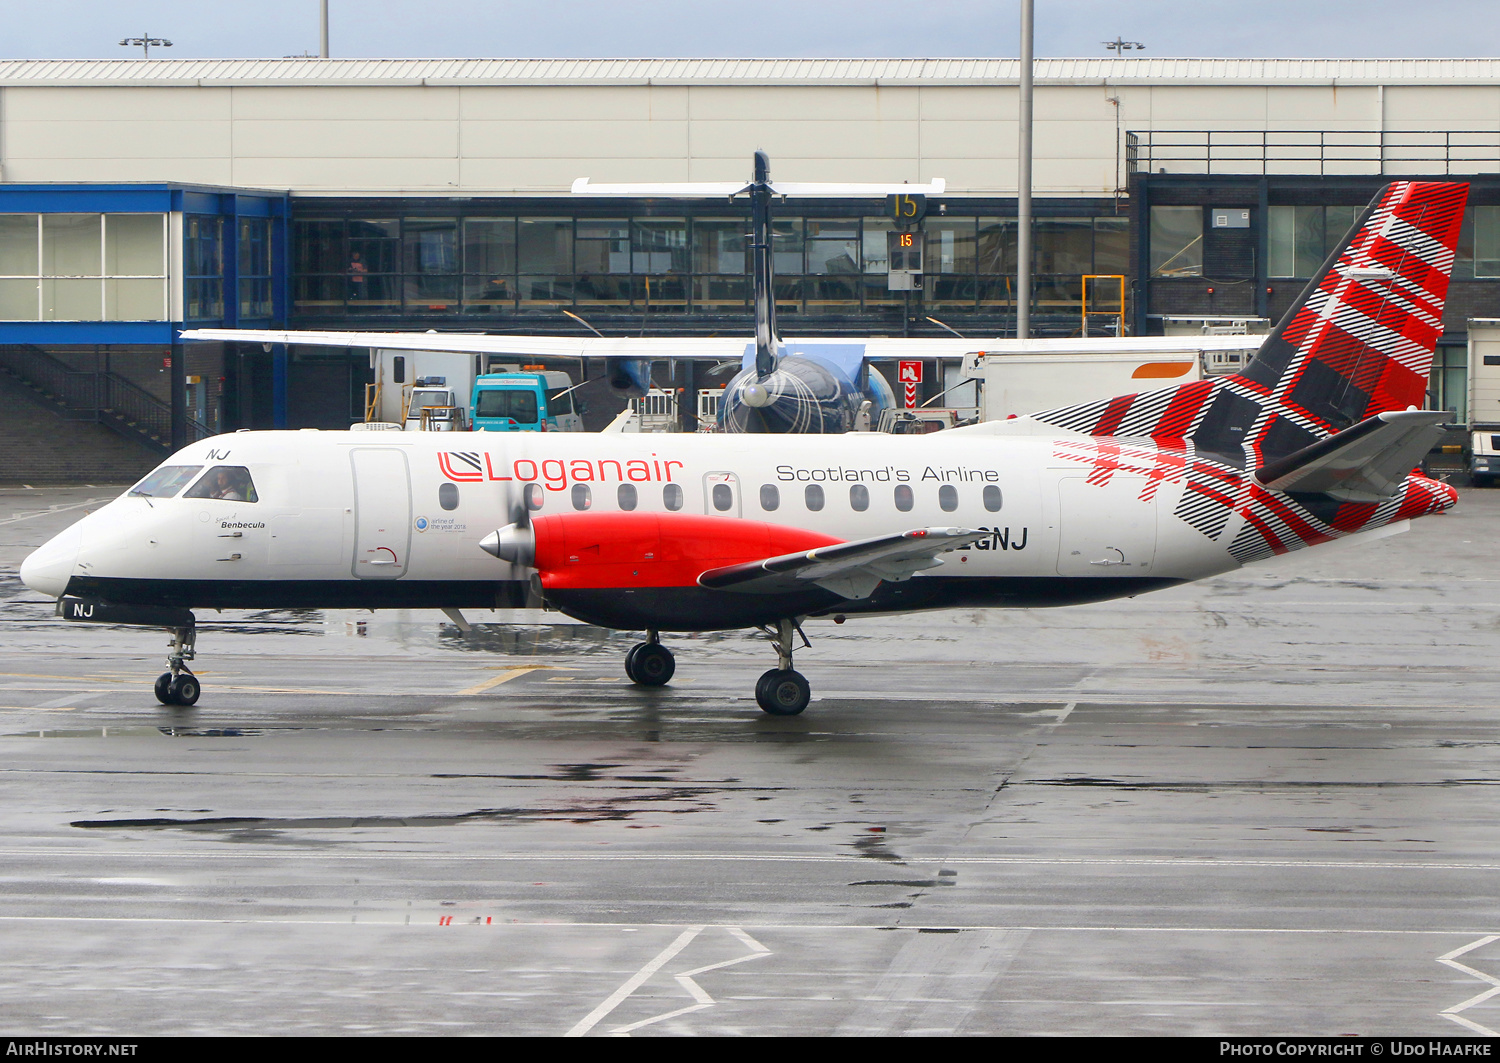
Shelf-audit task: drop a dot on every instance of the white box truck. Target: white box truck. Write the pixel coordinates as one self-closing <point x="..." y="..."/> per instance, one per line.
<point x="1063" y="373"/>
<point x="1483" y="414"/>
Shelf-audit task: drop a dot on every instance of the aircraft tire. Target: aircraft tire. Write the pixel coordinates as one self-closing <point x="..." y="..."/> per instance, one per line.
<point x="653" y="664"/>
<point x="164" y="688"/>
<point x="185" y="689"/>
<point x="630" y="662"/>
<point x="783" y="693"/>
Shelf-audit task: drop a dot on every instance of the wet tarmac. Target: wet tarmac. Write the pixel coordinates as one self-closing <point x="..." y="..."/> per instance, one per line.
<point x="1264" y="804"/>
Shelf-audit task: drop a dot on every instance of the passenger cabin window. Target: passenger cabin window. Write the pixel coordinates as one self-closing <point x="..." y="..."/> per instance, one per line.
<point x="992" y="498"/>
<point x="859" y="498"/>
<point x="534" y="497"/>
<point x="723" y="497"/>
<point x="770" y="497"/>
<point x="166" y="481"/>
<point x="626" y="496"/>
<point x="814" y="497"/>
<point x="948" y="498"/>
<point x="231" y="483"/>
<point x="583" y="497"/>
<point x="518" y="405"/>
<point x="903" y="497"/>
<point x="448" y="496"/>
<point x="671" y="497"/>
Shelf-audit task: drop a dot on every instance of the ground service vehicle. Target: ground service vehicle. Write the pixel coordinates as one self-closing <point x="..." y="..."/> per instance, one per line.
<point x="1315" y="440"/>
<point x="1483" y="413"/>
<point x="524" y="402"/>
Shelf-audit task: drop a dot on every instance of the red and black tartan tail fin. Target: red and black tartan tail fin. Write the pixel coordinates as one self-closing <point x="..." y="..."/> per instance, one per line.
<point x="1357" y="342"/>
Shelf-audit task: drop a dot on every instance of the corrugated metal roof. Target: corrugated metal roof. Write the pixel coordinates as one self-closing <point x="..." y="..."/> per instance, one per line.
<point x="734" y="71"/>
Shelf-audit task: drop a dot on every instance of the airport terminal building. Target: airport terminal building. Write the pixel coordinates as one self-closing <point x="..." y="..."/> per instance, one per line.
<point x="139" y="197"/>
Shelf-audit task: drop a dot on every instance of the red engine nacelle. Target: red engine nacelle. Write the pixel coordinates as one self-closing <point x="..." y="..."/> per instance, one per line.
<point x="584" y="551"/>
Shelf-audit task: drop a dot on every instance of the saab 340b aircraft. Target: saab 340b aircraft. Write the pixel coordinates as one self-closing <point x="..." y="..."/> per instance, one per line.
<point x="1316" y="440"/>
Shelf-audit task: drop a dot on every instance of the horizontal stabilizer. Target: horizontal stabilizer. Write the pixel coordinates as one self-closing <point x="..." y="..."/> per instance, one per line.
<point x="1365" y="463"/>
<point x="852" y="570"/>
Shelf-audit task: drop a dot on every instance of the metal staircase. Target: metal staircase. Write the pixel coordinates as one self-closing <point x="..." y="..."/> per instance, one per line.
<point x="100" y="396"/>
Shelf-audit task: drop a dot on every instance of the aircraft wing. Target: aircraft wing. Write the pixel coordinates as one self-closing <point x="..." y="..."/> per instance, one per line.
<point x="709" y="348"/>
<point x="852" y="569"/>
<point x="1367" y="462"/>
<point x="717" y="348"/>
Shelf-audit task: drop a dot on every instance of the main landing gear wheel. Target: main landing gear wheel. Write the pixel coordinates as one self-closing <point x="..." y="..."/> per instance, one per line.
<point x="164" y="688"/>
<point x="783" y="692"/>
<point x="650" y="664"/>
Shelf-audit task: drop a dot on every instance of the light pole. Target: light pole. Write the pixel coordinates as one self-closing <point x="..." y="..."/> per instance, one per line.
<point x="1023" y="182"/>
<point x="145" y="41"/>
<point x="323" y="26"/>
<point x="1120" y="46"/>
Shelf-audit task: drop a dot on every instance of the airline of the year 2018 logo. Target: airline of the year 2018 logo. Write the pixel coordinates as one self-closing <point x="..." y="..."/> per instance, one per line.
<point x="554" y="473"/>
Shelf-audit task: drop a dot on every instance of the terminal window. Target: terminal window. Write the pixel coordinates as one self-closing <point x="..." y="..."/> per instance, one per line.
<point x="1176" y="241"/>
<point x="493" y="266"/>
<point x="83" y="267"/>
<point x="1300" y="238"/>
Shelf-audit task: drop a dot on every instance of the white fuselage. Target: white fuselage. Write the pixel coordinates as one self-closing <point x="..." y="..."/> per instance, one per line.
<point x="367" y="520"/>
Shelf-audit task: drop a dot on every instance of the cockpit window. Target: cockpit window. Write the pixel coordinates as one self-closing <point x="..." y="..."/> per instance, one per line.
<point x="166" y="481"/>
<point x="229" y="482"/>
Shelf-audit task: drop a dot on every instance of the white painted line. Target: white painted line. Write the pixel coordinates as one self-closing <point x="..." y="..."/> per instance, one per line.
<point x="1450" y="959"/>
<point x="624" y="1031"/>
<point x="74" y="700"/>
<point x="50" y="510"/>
<point x="748" y="941"/>
<point x="634" y="982"/>
<point x="1480" y="999"/>
<point x="796" y="858"/>
<point x="402" y="918"/>
<point x="1066" y="712"/>
<point x="1471" y="1025"/>
<point x="696" y="991"/>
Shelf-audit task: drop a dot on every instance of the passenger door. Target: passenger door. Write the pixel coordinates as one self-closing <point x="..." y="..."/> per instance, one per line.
<point x="382" y="512"/>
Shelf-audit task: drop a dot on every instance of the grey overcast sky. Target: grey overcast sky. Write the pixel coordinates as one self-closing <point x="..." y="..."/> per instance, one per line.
<point x="90" y="29"/>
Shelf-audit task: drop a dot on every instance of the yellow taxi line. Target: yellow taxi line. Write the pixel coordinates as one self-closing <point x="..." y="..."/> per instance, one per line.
<point x="504" y="677"/>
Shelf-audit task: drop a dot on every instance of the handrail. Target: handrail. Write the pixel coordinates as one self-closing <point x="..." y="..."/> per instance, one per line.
<point x="102" y="396"/>
<point x="1323" y="151"/>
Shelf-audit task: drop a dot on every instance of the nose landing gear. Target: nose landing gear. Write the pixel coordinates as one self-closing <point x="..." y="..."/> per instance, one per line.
<point x="783" y="691"/>
<point x="649" y="663"/>
<point x="178" y="685"/>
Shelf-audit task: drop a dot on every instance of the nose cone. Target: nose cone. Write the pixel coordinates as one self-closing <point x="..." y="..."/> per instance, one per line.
<point x="49" y="567"/>
<point x="511" y="543"/>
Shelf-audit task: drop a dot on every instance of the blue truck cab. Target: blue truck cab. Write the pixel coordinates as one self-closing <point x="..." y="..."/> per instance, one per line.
<point x="524" y="402"/>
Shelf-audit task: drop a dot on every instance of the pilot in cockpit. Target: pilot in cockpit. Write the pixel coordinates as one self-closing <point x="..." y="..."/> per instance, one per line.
<point x="228" y="482"/>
